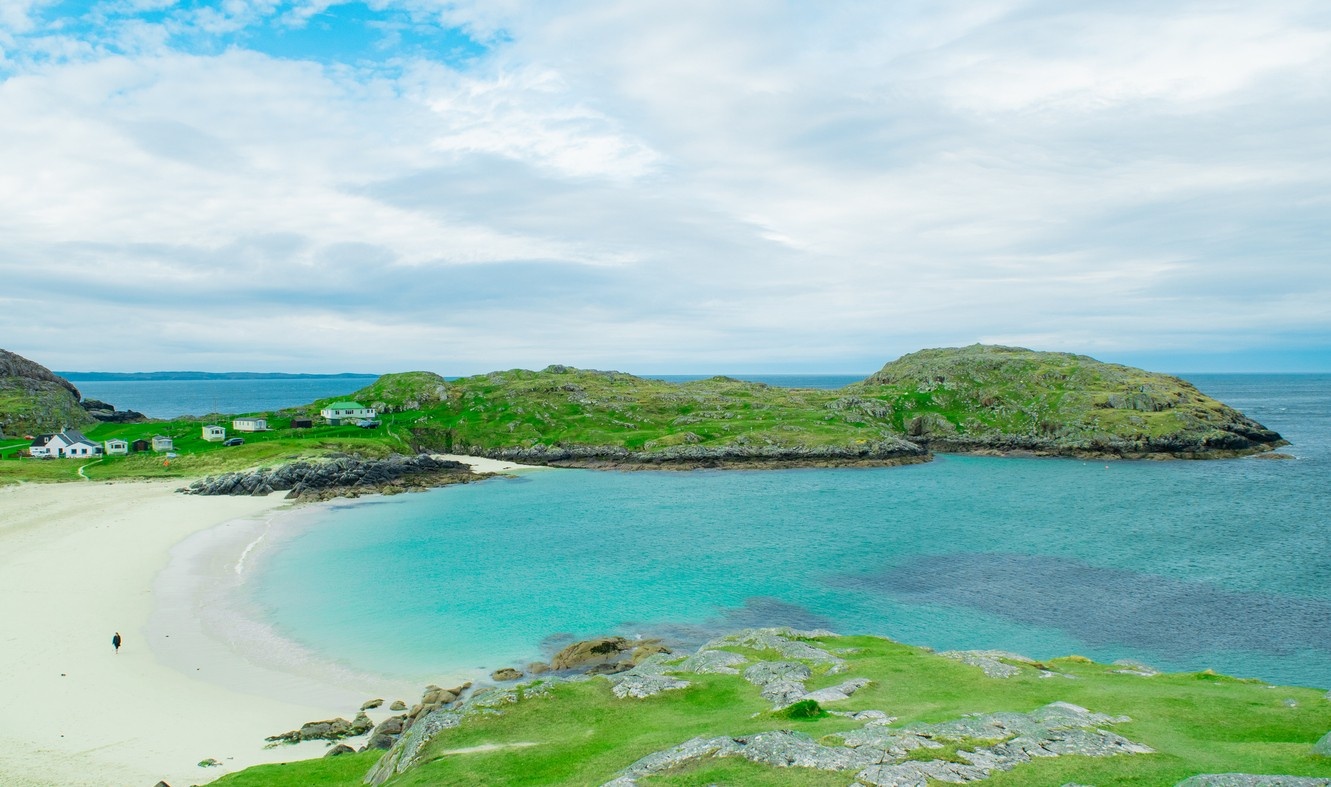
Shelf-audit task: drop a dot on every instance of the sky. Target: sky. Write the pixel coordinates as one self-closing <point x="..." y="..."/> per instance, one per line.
<point x="672" y="186"/>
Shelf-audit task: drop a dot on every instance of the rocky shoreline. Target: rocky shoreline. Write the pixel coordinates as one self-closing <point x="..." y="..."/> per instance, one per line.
<point x="341" y="476"/>
<point x="886" y="452"/>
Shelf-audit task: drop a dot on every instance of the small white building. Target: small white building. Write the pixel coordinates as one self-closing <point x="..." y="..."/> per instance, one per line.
<point x="214" y="434"/>
<point x="65" y="444"/>
<point x="161" y="443"/>
<point x="116" y="447"/>
<point x="250" y="424"/>
<point x="340" y="412"/>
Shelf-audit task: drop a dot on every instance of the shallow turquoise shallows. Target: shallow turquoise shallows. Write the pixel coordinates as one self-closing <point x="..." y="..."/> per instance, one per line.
<point x="1184" y="565"/>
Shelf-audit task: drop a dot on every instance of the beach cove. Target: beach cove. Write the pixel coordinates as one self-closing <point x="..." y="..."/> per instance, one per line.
<point x="81" y="561"/>
<point x="1201" y="539"/>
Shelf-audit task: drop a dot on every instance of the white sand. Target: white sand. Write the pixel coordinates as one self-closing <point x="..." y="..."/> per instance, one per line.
<point x="80" y="561"/>
<point x="482" y="465"/>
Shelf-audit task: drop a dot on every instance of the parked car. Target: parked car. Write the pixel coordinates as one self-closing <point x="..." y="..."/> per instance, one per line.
<point x="367" y="424"/>
<point x="234" y="441"/>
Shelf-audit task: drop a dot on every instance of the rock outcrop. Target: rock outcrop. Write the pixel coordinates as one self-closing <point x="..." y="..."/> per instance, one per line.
<point x="34" y="399"/>
<point x="339" y="477"/>
<point x="879" y="755"/>
<point x="107" y="413"/>
<point x="601" y="656"/>
<point x="326" y="730"/>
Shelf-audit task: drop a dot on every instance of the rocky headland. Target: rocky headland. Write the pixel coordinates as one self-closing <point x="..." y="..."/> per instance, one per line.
<point x="341" y="476"/>
<point x="33" y="399"/>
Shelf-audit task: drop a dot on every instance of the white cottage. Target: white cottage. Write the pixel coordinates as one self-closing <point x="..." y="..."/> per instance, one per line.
<point x="66" y="444"/>
<point x="342" y="412"/>
<point x="250" y="424"/>
<point x="161" y="443"/>
<point x="214" y="434"/>
<point x="116" y="447"/>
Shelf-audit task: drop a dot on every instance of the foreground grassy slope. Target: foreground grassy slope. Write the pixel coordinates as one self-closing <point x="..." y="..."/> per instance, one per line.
<point x="580" y="733"/>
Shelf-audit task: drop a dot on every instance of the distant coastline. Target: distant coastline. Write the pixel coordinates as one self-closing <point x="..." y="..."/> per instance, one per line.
<point x="154" y="376"/>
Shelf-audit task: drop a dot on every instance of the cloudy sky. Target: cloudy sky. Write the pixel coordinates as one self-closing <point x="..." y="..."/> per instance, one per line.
<point x="662" y="186"/>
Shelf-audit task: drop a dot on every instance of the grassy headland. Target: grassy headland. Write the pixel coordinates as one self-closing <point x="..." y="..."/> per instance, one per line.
<point x="972" y="399"/>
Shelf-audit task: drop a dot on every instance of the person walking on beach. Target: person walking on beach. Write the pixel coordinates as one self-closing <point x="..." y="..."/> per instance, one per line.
<point x="115" y="641"/>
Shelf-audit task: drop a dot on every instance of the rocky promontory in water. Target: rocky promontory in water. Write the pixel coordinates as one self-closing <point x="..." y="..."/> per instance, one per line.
<point x="977" y="399"/>
<point x="345" y="476"/>
<point x="781" y="706"/>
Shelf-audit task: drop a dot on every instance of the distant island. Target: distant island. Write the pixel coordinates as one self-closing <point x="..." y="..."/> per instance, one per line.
<point x="155" y="376"/>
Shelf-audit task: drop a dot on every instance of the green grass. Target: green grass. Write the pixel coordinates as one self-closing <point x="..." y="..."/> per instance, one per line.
<point x="973" y="397"/>
<point x="346" y="770"/>
<point x="581" y="734"/>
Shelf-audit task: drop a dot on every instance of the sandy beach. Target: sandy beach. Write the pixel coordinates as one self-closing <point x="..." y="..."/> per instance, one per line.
<point x="79" y="562"/>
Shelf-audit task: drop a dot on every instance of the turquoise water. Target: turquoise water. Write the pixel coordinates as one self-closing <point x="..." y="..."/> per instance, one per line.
<point x="1186" y="565"/>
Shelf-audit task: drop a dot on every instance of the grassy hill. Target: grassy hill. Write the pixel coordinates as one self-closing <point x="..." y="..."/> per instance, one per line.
<point x="1146" y="728"/>
<point x="570" y="416"/>
<point x="1008" y="398"/>
<point x="34" y="399"/>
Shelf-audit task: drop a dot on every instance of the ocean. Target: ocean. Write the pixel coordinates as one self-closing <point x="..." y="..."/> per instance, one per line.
<point x="1183" y="565"/>
<point x="178" y="398"/>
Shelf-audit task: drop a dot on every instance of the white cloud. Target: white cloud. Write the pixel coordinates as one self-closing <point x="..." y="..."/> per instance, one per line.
<point x="670" y="183"/>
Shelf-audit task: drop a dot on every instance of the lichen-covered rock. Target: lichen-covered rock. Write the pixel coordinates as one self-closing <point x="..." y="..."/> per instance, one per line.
<point x="402" y="754"/>
<point x="398" y="705"/>
<point x="992" y="662"/>
<point x="883" y="756"/>
<point x="339" y="750"/>
<point x="788" y="642"/>
<point x="1323" y="746"/>
<point x="505" y="674"/>
<point x="642" y="686"/>
<point x="837" y="693"/>
<point x="781" y="682"/>
<point x="371" y="704"/>
<point x="704" y="662"/>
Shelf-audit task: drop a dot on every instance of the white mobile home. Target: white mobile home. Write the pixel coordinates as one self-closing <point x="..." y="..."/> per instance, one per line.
<point x="214" y="434"/>
<point x="250" y="424"/>
<point x="344" y="412"/>
<point x="161" y="443"/>
<point x="116" y="447"/>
